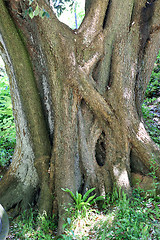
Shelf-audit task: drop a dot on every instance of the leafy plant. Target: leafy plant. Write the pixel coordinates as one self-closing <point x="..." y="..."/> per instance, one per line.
<point x="126" y="218"/>
<point x="150" y="107"/>
<point x="153" y="88"/>
<point x="154" y="168"/>
<point x="7" y="127"/>
<point x="151" y="126"/>
<point x="83" y="202"/>
<point x="60" y="5"/>
<point x="35" y="10"/>
<point x="134" y="218"/>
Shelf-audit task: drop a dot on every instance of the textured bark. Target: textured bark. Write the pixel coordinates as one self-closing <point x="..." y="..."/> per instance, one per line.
<point x="77" y="99"/>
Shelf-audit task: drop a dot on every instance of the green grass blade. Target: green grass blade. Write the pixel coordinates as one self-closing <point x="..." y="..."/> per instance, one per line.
<point x="79" y="198"/>
<point x="99" y="198"/>
<point x="71" y="193"/>
<point x="87" y="194"/>
<point x="91" y="198"/>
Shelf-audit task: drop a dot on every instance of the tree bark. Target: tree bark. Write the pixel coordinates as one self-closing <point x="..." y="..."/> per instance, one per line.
<point x="77" y="99"/>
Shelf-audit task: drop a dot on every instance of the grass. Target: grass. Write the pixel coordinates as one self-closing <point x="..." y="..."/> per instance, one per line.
<point x="120" y="217"/>
<point x="137" y="218"/>
<point x="149" y="117"/>
<point x="32" y="225"/>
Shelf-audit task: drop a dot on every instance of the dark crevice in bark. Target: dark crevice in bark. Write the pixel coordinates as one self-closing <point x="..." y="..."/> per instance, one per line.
<point x="81" y="189"/>
<point x="145" y="19"/>
<point x="106" y="14"/>
<point x="95" y="71"/>
<point x="132" y="16"/>
<point x="136" y="164"/>
<point x="100" y="152"/>
<point x="136" y="93"/>
<point x="110" y="78"/>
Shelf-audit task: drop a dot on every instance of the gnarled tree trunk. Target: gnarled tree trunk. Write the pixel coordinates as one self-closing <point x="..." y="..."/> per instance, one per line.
<point x="77" y="99"/>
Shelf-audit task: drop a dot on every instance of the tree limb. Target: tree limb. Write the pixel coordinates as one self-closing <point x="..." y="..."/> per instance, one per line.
<point x="93" y="22"/>
<point x="96" y="102"/>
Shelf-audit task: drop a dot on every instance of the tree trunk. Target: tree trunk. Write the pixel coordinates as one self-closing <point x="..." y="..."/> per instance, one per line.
<point x="77" y="99"/>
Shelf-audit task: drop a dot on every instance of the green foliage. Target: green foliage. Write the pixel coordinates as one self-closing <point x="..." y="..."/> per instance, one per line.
<point x="71" y="10"/>
<point x="34" y="10"/>
<point x="135" y="218"/>
<point x="151" y="105"/>
<point x="32" y="225"/>
<point x="154" y="168"/>
<point x="60" y="5"/>
<point x="73" y="16"/>
<point x="7" y="127"/>
<point x="82" y="203"/>
<point x="153" y="88"/>
<point x="151" y="126"/>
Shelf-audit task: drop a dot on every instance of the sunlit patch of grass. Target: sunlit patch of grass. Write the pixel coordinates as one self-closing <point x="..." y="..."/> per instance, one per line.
<point x="32" y="225"/>
<point x="83" y="226"/>
<point x="137" y="217"/>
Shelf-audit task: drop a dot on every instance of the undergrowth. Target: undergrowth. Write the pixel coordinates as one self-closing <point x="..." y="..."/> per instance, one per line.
<point x="151" y="105"/>
<point x="7" y="127"/>
<point x="137" y="217"/>
<point x="32" y="225"/>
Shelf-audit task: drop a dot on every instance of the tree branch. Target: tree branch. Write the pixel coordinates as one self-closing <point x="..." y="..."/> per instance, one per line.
<point x="116" y="23"/>
<point x="93" y="22"/>
<point x="96" y="102"/>
<point x="50" y="26"/>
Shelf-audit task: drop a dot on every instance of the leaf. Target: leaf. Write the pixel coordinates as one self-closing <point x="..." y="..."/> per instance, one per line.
<point x="71" y="193"/>
<point x="69" y="221"/>
<point x="31" y="14"/>
<point x="91" y="198"/>
<point x="82" y="204"/>
<point x="87" y="194"/>
<point x="36" y="11"/>
<point x="47" y="14"/>
<point x="79" y="198"/>
<point x="100" y="198"/>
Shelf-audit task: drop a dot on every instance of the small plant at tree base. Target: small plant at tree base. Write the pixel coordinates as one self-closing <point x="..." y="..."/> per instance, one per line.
<point x="82" y="203"/>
